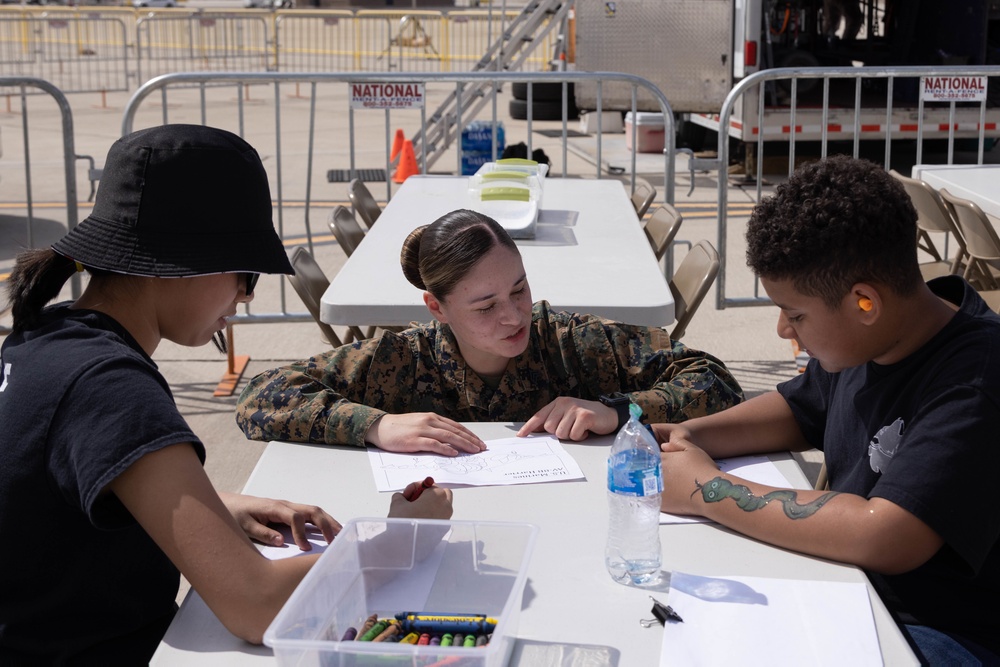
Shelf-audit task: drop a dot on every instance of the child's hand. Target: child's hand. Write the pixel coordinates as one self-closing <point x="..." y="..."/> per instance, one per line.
<point x="254" y="514"/>
<point x="433" y="503"/>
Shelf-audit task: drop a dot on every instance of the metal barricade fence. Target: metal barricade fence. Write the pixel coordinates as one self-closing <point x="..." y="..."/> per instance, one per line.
<point x="76" y="54"/>
<point x="404" y="41"/>
<point x="168" y="43"/>
<point x="471" y="33"/>
<point x="321" y="125"/>
<point x="88" y="49"/>
<point x="316" y="42"/>
<point x="886" y="120"/>
<point x="22" y="152"/>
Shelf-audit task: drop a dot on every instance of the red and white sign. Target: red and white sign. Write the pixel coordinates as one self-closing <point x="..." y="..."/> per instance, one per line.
<point x="953" y="88"/>
<point x="387" y="95"/>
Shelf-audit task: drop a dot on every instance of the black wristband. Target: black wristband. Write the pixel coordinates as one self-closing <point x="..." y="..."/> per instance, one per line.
<point x="620" y="402"/>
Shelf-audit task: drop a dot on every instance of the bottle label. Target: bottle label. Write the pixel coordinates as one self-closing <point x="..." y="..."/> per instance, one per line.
<point x="645" y="482"/>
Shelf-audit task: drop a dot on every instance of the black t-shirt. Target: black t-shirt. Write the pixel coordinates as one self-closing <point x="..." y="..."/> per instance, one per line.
<point x="924" y="433"/>
<point x="79" y="403"/>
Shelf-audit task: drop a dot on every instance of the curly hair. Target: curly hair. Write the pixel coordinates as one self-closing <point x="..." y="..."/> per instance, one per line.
<point x="834" y="223"/>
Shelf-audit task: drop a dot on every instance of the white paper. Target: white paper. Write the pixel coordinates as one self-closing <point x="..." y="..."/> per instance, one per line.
<point x="759" y="469"/>
<point x="289" y="549"/>
<point x="750" y="621"/>
<point x="505" y="461"/>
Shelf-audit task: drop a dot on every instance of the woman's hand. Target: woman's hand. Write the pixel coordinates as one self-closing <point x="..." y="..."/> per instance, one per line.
<point x="423" y="432"/>
<point x="572" y="419"/>
<point x="433" y="503"/>
<point x="254" y="514"/>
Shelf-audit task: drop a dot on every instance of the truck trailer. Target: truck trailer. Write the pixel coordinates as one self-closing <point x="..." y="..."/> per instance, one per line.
<point x="696" y="51"/>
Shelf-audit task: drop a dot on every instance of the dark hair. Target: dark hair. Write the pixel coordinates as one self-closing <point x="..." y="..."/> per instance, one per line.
<point x="437" y="256"/>
<point x="836" y="222"/>
<point x="39" y="275"/>
<point x="36" y="279"/>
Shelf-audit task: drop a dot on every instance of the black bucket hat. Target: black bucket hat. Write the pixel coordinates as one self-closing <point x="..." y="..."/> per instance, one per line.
<point x="179" y="200"/>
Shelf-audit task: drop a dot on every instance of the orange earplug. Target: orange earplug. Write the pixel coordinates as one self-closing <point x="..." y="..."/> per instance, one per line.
<point x="865" y="304"/>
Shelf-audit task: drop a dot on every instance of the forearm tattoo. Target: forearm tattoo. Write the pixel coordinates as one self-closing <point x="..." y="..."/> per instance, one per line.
<point x="720" y="488"/>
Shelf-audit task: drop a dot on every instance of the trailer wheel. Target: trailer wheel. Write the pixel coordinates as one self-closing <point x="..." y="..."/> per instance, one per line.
<point x="542" y="110"/>
<point x="546" y="91"/>
<point x="798" y="58"/>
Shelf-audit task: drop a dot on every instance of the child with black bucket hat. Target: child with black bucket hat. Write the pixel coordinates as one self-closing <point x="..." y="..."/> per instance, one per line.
<point x="103" y="495"/>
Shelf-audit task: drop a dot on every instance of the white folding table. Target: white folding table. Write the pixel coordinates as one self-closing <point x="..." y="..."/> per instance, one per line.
<point x="979" y="183"/>
<point x="589" y="255"/>
<point x="572" y="612"/>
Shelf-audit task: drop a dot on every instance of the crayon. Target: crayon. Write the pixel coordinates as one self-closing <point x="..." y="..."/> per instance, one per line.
<point x="369" y="622"/>
<point x="349" y="635"/>
<point x="470" y="640"/>
<point x="459" y="638"/>
<point x="390" y="631"/>
<point x="482" y="640"/>
<point x="426" y="484"/>
<point x="424" y="640"/>
<point x="410" y="638"/>
<point x="442" y="623"/>
<point x="373" y="631"/>
<point x="446" y="639"/>
<point x="423" y="616"/>
<point x="435" y="640"/>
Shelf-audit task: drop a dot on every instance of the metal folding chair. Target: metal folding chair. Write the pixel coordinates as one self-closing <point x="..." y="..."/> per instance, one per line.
<point x="691" y="282"/>
<point x="933" y="216"/>
<point x="346" y="229"/>
<point x="363" y="202"/>
<point x="981" y="241"/>
<point x="662" y="228"/>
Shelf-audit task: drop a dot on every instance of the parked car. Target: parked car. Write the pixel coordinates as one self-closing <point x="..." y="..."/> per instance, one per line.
<point x="268" y="4"/>
<point x="153" y="3"/>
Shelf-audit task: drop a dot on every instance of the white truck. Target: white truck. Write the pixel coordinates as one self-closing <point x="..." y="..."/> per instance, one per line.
<point x="695" y="51"/>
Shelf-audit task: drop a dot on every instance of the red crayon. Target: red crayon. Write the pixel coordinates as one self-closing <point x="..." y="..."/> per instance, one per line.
<point x="426" y="484"/>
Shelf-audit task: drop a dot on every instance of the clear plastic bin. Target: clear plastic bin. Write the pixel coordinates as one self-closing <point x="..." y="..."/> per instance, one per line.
<point x="539" y="169"/>
<point x="390" y="566"/>
<point x="512" y="198"/>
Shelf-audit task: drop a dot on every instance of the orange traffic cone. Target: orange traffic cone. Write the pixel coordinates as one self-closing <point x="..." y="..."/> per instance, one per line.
<point x="397" y="145"/>
<point x="407" y="163"/>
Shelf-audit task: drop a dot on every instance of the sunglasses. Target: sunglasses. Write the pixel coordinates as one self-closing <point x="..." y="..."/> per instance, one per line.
<point x="251" y="282"/>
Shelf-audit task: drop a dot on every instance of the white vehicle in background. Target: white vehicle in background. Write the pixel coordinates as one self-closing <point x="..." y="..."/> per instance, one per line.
<point x="711" y="45"/>
<point x="268" y="4"/>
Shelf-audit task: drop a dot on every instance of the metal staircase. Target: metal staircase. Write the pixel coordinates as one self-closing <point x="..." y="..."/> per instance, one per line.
<point x="517" y="42"/>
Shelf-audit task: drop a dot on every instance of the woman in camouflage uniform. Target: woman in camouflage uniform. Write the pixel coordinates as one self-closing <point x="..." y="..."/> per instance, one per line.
<point x="489" y="355"/>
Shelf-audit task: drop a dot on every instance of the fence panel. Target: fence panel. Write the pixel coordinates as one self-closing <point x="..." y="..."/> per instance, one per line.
<point x="19" y="153"/>
<point x="114" y="49"/>
<point x="167" y="43"/>
<point x="316" y="42"/>
<point x="318" y="126"/>
<point x="411" y="41"/>
<point x="881" y="106"/>
<point x="77" y="54"/>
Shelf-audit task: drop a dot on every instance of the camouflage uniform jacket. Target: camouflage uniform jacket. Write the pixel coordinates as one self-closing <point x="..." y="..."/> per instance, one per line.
<point x="335" y="397"/>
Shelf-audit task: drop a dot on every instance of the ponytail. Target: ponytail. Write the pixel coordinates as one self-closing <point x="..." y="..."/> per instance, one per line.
<point x="37" y="278"/>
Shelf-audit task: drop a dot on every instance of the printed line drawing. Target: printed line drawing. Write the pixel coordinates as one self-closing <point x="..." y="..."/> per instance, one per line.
<point x="505" y="461"/>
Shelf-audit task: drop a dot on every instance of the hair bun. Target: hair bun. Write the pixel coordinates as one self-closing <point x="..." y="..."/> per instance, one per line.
<point x="409" y="257"/>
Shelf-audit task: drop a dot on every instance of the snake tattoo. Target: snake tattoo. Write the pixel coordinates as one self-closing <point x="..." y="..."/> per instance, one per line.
<point x="719" y="489"/>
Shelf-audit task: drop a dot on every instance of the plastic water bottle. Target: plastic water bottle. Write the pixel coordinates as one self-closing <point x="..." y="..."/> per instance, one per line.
<point x="635" y="483"/>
